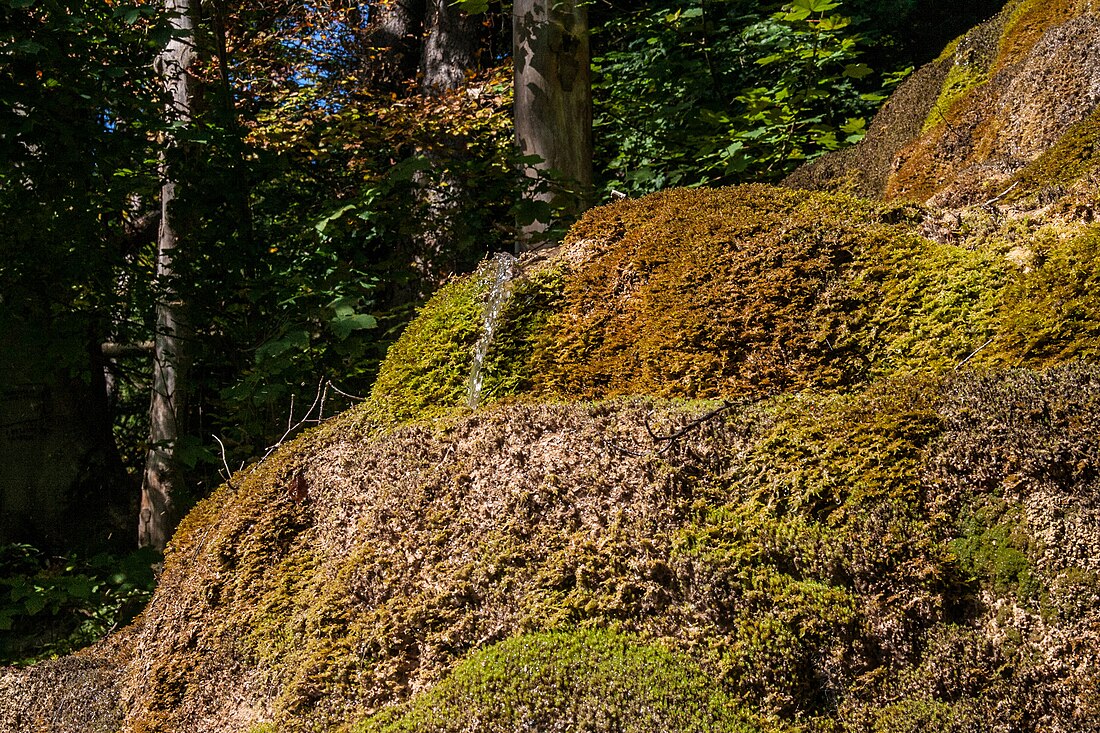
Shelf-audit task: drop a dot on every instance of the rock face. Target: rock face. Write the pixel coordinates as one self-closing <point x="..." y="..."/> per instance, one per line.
<point x="753" y="459"/>
<point x="1009" y="115"/>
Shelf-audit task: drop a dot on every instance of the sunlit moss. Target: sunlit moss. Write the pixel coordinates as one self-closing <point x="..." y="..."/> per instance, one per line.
<point x="584" y="680"/>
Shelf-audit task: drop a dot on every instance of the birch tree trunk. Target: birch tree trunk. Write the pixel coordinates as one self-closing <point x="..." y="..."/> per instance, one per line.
<point x="553" y="102"/>
<point x="162" y="479"/>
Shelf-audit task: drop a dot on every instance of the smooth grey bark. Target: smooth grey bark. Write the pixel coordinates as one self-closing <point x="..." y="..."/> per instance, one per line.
<point x="553" y="102"/>
<point x="162" y="479"/>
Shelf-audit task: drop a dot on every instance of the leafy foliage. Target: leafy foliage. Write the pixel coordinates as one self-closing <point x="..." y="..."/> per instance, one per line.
<point x="50" y="606"/>
<point x="723" y="92"/>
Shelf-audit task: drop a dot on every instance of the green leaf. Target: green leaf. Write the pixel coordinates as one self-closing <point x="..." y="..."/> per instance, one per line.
<point x="190" y="451"/>
<point x="322" y="225"/>
<point x="29" y="47"/>
<point x="857" y="71"/>
<point x="342" y="327"/>
<point x="34" y="603"/>
<point x="406" y="169"/>
<point x="297" y="339"/>
<point x="473" y="7"/>
<point x="795" y="15"/>
<point x="770" y="59"/>
<point x="78" y="586"/>
<point x="853" y="124"/>
<point x="834" y="23"/>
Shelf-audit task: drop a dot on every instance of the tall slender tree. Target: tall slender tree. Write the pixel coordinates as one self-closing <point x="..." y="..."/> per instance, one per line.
<point x="162" y="480"/>
<point x="553" y="102"/>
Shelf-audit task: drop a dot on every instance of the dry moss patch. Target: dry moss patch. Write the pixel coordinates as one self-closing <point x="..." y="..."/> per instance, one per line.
<point x="787" y="565"/>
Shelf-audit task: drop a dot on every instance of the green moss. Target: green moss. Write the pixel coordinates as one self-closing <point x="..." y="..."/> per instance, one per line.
<point x="962" y="78"/>
<point x="1052" y="314"/>
<point x="584" y="680"/>
<point x="1076" y="153"/>
<point x="759" y="290"/>
<point x="923" y="715"/>
<point x="980" y="53"/>
<point x="428" y="369"/>
<point x="1027" y="21"/>
<point x="509" y="367"/>
<point x="710" y="293"/>
<point x="994" y="549"/>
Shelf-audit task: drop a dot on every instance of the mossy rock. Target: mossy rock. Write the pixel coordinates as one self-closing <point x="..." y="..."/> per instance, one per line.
<point x="1009" y="118"/>
<point x="590" y="680"/>
<point x="744" y="459"/>
<point x="728" y="293"/>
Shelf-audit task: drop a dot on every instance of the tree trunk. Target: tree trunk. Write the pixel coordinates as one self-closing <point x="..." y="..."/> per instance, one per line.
<point x="451" y="42"/>
<point x="553" y="103"/>
<point x="392" y="43"/>
<point x="162" y="480"/>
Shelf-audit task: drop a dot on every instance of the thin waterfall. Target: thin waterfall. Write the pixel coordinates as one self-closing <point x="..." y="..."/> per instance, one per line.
<point x="503" y="269"/>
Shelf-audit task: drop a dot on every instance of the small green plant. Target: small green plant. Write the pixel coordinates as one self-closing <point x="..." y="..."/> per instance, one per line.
<point x="51" y="606"/>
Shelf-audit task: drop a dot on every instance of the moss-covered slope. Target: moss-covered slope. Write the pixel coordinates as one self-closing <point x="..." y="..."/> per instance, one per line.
<point x="751" y="291"/>
<point x="752" y="459"/>
<point x="870" y="531"/>
<point x="921" y="553"/>
<point x="1007" y="115"/>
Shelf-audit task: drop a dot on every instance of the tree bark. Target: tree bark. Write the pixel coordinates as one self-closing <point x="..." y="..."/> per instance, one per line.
<point x="162" y="480"/>
<point x="451" y="42"/>
<point x="553" y="103"/>
<point x="392" y="42"/>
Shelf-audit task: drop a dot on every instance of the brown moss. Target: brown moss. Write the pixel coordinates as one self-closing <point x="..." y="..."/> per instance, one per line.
<point x="744" y="291"/>
<point x="798" y="551"/>
<point x="955" y="123"/>
<point x="1007" y="92"/>
<point x="865" y="169"/>
<point x="1028" y="21"/>
<point x="1076" y="154"/>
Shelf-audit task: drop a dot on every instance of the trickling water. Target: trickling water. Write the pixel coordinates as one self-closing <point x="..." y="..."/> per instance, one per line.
<point x="502" y="270"/>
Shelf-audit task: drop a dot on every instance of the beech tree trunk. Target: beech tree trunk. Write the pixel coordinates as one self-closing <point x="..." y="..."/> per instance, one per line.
<point x="553" y="103"/>
<point x="451" y="42"/>
<point x="392" y="42"/>
<point x="162" y="479"/>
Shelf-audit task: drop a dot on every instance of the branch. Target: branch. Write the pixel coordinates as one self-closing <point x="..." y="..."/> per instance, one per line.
<point x="672" y="437"/>
<point x="113" y="350"/>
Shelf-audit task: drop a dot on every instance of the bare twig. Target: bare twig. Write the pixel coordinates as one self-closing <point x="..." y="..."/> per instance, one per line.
<point x="1001" y="195"/>
<point x="973" y="354"/>
<point x="689" y="427"/>
<point x="291" y="426"/>
<point x="339" y="391"/>
<point x="228" y="473"/>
